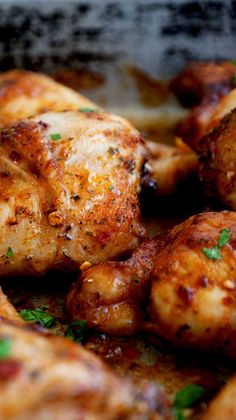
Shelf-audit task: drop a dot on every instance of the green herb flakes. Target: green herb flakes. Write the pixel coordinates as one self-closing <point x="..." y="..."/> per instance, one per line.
<point x="39" y="316"/>
<point x="212" y="253"/>
<point x="110" y="188"/>
<point x="188" y="396"/>
<point x="87" y="109"/>
<point x="5" y="348"/>
<point x="224" y="237"/>
<point x="76" y="331"/>
<point x="9" y="252"/>
<point x="55" y="136"/>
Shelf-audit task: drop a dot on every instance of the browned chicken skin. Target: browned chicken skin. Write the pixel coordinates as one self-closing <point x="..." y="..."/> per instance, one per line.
<point x="217" y="153"/>
<point x="48" y="377"/>
<point x="69" y="190"/>
<point x="191" y="297"/>
<point x="201" y="86"/>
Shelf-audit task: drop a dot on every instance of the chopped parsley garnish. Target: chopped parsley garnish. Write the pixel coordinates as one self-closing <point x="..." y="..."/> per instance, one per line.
<point x="5" y="348"/>
<point x="224" y="237"/>
<point x="55" y="136"/>
<point x="9" y="252"/>
<point x="39" y="316"/>
<point x="187" y="397"/>
<point x="76" y="331"/>
<point x="110" y="188"/>
<point x="87" y="109"/>
<point x="214" y="252"/>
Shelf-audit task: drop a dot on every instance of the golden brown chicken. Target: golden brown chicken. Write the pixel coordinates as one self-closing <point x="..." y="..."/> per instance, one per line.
<point x="23" y="94"/>
<point x="223" y="407"/>
<point x="217" y="167"/>
<point x="69" y="191"/>
<point x="201" y="86"/>
<point x="48" y="377"/>
<point x="193" y="290"/>
<point x="185" y="278"/>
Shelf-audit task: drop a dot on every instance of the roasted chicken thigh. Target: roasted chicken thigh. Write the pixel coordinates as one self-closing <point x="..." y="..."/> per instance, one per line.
<point x="69" y="191"/>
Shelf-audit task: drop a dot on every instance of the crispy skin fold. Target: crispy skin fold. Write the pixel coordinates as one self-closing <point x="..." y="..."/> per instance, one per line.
<point x="69" y="191"/>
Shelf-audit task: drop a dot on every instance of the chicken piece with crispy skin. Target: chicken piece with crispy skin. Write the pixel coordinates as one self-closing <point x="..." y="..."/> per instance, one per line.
<point x="45" y="377"/>
<point x="216" y="151"/>
<point x="189" y="292"/>
<point x="217" y="163"/>
<point x="201" y="86"/>
<point x="223" y="406"/>
<point x="23" y="94"/>
<point x="69" y="191"/>
<point x="193" y="284"/>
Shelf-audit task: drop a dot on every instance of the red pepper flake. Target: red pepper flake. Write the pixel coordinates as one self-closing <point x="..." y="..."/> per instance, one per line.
<point x="203" y="281"/>
<point x="9" y="369"/>
<point x="227" y="300"/>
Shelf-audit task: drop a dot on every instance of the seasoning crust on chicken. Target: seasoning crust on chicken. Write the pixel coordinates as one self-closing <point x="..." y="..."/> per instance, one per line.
<point x="190" y="296"/>
<point x="24" y="93"/>
<point x="69" y="191"/>
<point x="193" y="290"/>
